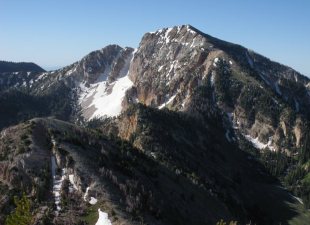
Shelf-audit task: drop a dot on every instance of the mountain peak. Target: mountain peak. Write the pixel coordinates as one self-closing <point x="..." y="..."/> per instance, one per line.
<point x="193" y="111"/>
<point x="185" y="28"/>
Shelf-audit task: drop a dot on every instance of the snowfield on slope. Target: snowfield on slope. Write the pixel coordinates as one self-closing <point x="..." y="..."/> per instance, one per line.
<point x="103" y="218"/>
<point x="167" y="102"/>
<point x="57" y="183"/>
<point x="104" y="98"/>
<point x="110" y="104"/>
<point x="259" y="145"/>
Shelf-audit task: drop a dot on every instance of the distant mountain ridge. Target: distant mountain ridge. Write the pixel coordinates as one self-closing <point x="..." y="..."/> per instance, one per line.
<point x="6" y="66"/>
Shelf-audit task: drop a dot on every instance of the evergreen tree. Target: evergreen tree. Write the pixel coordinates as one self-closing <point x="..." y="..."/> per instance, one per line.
<point x="21" y="215"/>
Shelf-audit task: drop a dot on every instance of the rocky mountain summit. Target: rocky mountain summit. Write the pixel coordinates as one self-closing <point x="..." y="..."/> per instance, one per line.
<point x="185" y="129"/>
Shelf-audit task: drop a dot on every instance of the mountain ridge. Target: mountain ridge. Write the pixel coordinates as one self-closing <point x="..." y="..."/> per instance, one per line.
<point x="155" y="134"/>
<point x="6" y="66"/>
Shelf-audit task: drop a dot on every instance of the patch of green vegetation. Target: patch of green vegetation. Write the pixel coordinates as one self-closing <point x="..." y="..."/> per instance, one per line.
<point x="22" y="214"/>
<point x="303" y="215"/>
<point x="306" y="179"/>
<point x="92" y="215"/>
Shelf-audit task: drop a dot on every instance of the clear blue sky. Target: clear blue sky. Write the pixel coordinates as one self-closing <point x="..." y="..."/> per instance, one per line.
<point x="55" y="33"/>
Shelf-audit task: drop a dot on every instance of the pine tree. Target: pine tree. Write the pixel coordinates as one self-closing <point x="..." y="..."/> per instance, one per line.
<point x="21" y="215"/>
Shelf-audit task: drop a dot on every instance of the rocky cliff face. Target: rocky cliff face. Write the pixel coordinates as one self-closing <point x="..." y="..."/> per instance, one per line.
<point x="172" y="63"/>
<point x="169" y="64"/>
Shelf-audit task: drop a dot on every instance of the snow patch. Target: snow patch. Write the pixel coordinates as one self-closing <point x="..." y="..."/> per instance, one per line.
<point x="296" y="77"/>
<point x="86" y="194"/>
<point x="190" y="30"/>
<point x="193" y="43"/>
<point x="111" y="104"/>
<point x="93" y="201"/>
<point x="103" y="98"/>
<point x="71" y="179"/>
<point x="179" y="28"/>
<point x="41" y="76"/>
<point x="256" y="143"/>
<point x="171" y="67"/>
<point x="166" y="35"/>
<point x="167" y="102"/>
<point x="57" y="183"/>
<point x="183" y="104"/>
<point x="231" y="119"/>
<point x="69" y="72"/>
<point x="103" y="218"/>
<point x="215" y="61"/>
<point x="153" y="154"/>
<point x="212" y="79"/>
<point x="260" y="145"/>
<point x="278" y="88"/>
